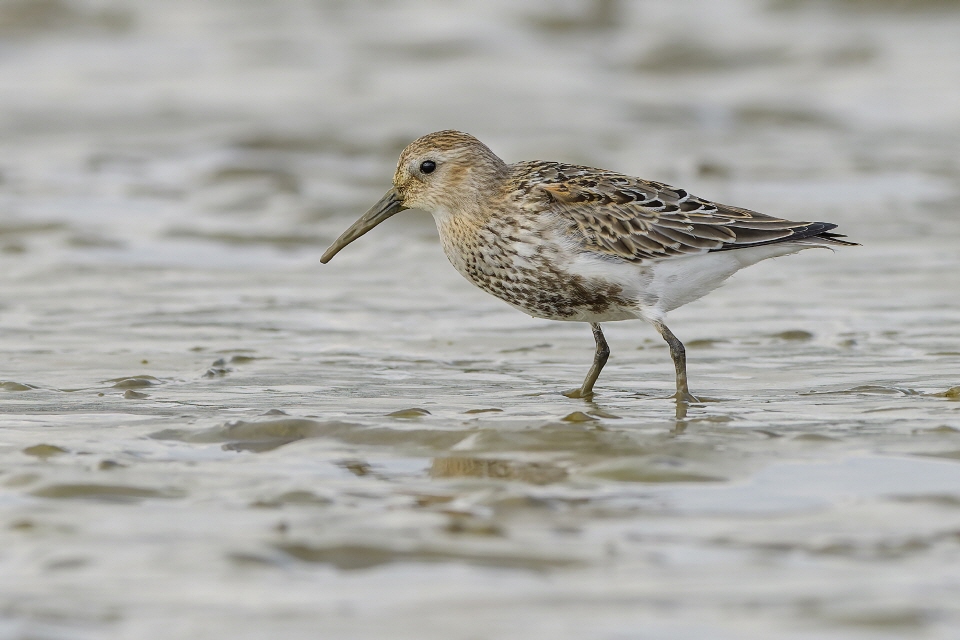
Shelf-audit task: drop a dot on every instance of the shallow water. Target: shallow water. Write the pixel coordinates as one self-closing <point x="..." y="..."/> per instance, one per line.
<point x="206" y="433"/>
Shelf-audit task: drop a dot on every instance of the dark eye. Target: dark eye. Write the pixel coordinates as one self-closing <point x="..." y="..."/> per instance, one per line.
<point x="427" y="166"/>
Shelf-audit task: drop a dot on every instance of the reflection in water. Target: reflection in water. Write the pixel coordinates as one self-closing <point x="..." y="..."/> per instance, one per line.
<point x="465" y="467"/>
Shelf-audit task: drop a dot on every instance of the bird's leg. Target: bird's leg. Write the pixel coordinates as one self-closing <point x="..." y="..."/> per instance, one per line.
<point x="599" y="359"/>
<point x="679" y="355"/>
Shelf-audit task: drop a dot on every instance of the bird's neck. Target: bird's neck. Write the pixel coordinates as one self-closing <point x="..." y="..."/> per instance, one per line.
<point x="458" y="224"/>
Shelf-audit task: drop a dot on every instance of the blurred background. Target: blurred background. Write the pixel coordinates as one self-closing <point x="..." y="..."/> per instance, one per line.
<point x="162" y="126"/>
<point x="206" y="433"/>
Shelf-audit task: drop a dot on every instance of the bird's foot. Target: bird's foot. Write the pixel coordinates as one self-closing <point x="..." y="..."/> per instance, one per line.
<point x="579" y="393"/>
<point x="685" y="397"/>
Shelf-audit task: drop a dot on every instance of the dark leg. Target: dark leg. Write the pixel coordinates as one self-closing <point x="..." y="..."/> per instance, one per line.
<point x="599" y="359"/>
<point x="679" y="356"/>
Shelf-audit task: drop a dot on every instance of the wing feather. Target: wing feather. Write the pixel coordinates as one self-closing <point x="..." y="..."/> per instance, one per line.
<point x="638" y="220"/>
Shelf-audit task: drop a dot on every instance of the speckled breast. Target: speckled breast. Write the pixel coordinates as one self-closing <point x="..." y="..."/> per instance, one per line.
<point x="530" y="276"/>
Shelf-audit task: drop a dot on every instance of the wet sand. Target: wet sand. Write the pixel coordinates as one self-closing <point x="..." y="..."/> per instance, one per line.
<point x="206" y="433"/>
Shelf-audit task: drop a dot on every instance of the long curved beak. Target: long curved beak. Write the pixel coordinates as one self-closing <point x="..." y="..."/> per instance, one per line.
<point x="388" y="205"/>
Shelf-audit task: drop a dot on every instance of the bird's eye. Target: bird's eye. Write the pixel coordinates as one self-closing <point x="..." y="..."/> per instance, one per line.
<point x="427" y="166"/>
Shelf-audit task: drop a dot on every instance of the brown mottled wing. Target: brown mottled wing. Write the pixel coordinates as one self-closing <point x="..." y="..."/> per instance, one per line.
<point x="641" y="220"/>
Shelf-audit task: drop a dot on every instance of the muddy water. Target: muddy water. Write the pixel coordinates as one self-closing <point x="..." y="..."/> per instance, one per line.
<point x="205" y="433"/>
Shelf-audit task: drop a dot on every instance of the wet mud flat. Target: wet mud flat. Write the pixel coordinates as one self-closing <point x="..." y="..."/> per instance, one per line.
<point x="206" y="433"/>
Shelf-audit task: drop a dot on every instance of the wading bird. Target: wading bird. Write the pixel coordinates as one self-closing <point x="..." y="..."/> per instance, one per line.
<point x="566" y="242"/>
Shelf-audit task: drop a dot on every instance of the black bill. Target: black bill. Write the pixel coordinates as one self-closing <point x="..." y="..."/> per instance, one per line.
<point x="388" y="205"/>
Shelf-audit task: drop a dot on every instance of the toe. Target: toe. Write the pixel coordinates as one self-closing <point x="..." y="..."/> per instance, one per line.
<point x="579" y="393"/>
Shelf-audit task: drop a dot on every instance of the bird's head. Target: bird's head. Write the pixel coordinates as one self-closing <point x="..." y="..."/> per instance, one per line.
<point x="444" y="173"/>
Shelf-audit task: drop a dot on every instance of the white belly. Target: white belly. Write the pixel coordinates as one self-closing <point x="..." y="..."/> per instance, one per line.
<point x="664" y="285"/>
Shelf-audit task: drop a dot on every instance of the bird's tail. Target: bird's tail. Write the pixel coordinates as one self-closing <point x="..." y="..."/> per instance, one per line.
<point x="825" y="239"/>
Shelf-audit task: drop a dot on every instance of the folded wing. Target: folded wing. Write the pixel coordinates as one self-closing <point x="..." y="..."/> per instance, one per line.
<point x="640" y="220"/>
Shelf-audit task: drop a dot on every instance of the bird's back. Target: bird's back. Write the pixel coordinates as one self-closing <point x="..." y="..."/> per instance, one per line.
<point x="641" y="220"/>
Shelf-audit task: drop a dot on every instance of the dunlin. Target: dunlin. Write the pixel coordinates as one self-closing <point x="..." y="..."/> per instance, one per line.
<point x="566" y="242"/>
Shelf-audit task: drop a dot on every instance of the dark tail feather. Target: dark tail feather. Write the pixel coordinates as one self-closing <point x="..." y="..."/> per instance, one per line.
<point x="814" y="233"/>
<point x="834" y="238"/>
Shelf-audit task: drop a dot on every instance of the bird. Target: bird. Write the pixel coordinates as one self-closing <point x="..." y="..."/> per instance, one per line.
<point x="575" y="243"/>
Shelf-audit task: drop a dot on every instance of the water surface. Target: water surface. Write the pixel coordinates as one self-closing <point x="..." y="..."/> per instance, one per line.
<point x="206" y="433"/>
